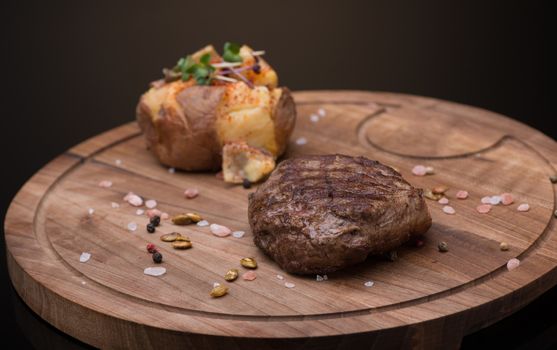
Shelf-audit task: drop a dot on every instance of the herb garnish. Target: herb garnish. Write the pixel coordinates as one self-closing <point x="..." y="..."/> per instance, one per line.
<point x="204" y="72"/>
<point x="231" y="52"/>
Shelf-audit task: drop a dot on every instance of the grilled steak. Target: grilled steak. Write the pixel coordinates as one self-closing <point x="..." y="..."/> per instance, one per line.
<point x="318" y="214"/>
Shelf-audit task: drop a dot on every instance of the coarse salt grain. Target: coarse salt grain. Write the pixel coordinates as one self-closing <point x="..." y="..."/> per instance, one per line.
<point x="216" y="284"/>
<point x="494" y="200"/>
<point x="83" y="282"/>
<point x="321" y="112"/>
<point x="443" y="200"/>
<point x="191" y="193"/>
<point x="249" y="276"/>
<point x="114" y="205"/>
<point x="171" y="170"/>
<point x="486" y="200"/>
<point x="462" y="194"/>
<point x="151" y="203"/>
<point x="105" y="184"/>
<point x="507" y="199"/>
<point x="369" y="284"/>
<point x="139" y="212"/>
<point x="84" y="257"/>
<point x="219" y="230"/>
<point x="523" y="207"/>
<point x="91" y="211"/>
<point x="165" y="216"/>
<point x="289" y="285"/>
<point x="118" y="162"/>
<point x="513" y="264"/>
<point x="154" y="271"/>
<point x="280" y="277"/>
<point x="132" y="226"/>
<point x="319" y="278"/>
<point x="238" y="234"/>
<point x="419" y="170"/>
<point x="447" y="209"/>
<point x="325" y="277"/>
<point x="153" y="212"/>
<point x="203" y="223"/>
<point x="314" y="118"/>
<point x="301" y="141"/>
<point x="483" y="209"/>
<point x="135" y="200"/>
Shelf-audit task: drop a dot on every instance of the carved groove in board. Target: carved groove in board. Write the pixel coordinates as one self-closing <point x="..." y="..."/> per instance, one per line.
<point x="362" y="128"/>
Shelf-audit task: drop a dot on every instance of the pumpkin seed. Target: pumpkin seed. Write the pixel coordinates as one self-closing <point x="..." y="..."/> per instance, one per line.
<point x="183" y="238"/>
<point x="169" y="237"/>
<point x="219" y="291"/>
<point x="181" y="245"/>
<point x="439" y="189"/>
<point x="430" y="195"/>
<point x="186" y="219"/>
<point x="231" y="275"/>
<point x="249" y="263"/>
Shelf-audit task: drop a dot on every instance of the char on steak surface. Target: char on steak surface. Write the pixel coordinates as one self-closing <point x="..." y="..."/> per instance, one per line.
<point x="318" y="214"/>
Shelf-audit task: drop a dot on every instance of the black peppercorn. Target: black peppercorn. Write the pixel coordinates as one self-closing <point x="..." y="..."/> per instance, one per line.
<point x="150" y="228"/>
<point x="157" y="257"/>
<point x="256" y="68"/>
<point x="156" y="220"/>
<point x="246" y="183"/>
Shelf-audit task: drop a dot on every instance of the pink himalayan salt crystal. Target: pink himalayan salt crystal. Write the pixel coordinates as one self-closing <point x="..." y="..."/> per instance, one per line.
<point x="507" y="199"/>
<point x="448" y="210"/>
<point x="153" y="212"/>
<point x="484" y="208"/>
<point x="151" y="203"/>
<point x="165" y="216"/>
<point x="443" y="200"/>
<point x="486" y="200"/>
<point x="114" y="205"/>
<point x="419" y="170"/>
<point x="105" y="184"/>
<point x="513" y="264"/>
<point x="462" y="194"/>
<point x="249" y="276"/>
<point x="523" y="207"/>
<point x="280" y="277"/>
<point x="219" y="230"/>
<point x="191" y="193"/>
<point x="289" y="285"/>
<point x="139" y="212"/>
<point x="135" y="200"/>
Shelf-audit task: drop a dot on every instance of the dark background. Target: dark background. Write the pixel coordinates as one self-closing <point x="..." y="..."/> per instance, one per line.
<point x="72" y="69"/>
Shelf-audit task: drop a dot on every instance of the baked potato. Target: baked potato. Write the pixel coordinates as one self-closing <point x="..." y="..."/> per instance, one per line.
<point x="206" y="102"/>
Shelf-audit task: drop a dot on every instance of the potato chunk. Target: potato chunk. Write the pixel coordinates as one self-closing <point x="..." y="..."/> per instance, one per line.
<point x="241" y="161"/>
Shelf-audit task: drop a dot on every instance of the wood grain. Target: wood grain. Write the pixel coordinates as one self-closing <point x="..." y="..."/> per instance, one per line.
<point x="425" y="299"/>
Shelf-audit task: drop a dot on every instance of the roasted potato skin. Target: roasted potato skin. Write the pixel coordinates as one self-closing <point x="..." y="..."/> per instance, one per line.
<point x="284" y="117"/>
<point x="184" y="136"/>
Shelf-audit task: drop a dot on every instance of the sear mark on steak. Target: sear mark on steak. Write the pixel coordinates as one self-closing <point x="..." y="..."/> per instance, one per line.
<point x="318" y="214"/>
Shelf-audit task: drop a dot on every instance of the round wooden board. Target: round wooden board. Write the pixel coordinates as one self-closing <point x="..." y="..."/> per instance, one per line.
<point x="425" y="299"/>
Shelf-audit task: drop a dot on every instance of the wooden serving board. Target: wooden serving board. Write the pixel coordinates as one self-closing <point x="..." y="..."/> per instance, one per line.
<point x="425" y="299"/>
